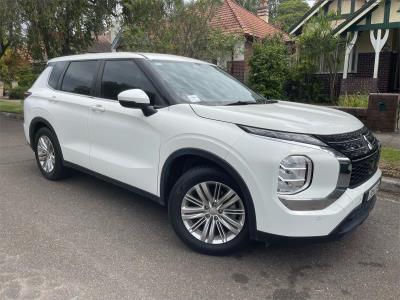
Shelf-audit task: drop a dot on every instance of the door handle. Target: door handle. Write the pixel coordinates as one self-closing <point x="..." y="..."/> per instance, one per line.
<point x="98" y="108"/>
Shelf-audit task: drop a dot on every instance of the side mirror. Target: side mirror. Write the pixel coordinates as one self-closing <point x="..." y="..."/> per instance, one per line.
<point x="136" y="98"/>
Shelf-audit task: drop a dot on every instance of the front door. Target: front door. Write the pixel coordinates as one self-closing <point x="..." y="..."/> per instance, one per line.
<point x="124" y="143"/>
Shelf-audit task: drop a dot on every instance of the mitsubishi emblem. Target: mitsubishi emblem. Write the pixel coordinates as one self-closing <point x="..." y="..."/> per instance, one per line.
<point x="368" y="142"/>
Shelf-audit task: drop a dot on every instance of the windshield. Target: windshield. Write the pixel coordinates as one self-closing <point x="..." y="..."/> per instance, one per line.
<point x="203" y="84"/>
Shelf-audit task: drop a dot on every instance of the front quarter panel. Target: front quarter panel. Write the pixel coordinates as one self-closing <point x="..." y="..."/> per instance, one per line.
<point x="183" y="129"/>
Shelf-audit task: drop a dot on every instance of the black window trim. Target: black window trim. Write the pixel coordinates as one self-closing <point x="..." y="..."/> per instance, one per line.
<point x="154" y="78"/>
<point x="161" y="93"/>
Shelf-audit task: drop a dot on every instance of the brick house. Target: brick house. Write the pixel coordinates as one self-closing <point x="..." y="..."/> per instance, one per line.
<point x="371" y="61"/>
<point x="233" y="18"/>
<point x="230" y="17"/>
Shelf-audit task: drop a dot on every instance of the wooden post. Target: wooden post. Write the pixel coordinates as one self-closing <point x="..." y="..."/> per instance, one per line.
<point x="378" y="43"/>
<point x="349" y="48"/>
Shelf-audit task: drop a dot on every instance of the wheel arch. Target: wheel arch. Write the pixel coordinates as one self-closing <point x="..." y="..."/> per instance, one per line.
<point x="205" y="158"/>
<point x="35" y="125"/>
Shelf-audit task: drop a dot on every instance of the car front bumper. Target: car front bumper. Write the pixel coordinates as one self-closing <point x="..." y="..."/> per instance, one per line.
<point x="273" y="217"/>
<point x="347" y="226"/>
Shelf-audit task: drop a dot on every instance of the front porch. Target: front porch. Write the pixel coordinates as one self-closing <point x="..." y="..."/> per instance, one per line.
<point x="374" y="56"/>
<point x="371" y="62"/>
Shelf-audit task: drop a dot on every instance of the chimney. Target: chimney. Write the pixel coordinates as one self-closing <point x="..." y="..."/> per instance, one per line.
<point x="262" y="11"/>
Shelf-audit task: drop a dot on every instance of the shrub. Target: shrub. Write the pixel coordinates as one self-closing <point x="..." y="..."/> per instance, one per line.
<point x="269" y="67"/>
<point x="18" y="92"/>
<point x="302" y="85"/>
<point x="353" y="101"/>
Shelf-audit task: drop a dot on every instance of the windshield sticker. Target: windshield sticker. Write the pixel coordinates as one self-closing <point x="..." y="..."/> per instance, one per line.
<point x="194" y="98"/>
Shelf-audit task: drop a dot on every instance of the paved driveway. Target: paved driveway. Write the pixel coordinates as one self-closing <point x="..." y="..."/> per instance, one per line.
<point x="82" y="238"/>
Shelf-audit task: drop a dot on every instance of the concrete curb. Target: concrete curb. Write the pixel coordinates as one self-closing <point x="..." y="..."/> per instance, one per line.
<point x="12" y="115"/>
<point x="390" y="185"/>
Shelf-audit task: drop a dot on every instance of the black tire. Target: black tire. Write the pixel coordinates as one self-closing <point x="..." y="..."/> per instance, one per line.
<point x="59" y="171"/>
<point x="185" y="183"/>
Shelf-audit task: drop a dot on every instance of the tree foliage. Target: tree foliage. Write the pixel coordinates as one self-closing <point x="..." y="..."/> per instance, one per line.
<point x="59" y="27"/>
<point x="269" y="67"/>
<point x="283" y="13"/>
<point x="288" y="12"/>
<point x="176" y="27"/>
<point x="317" y="43"/>
<point x="273" y="9"/>
<point x="10" y="25"/>
<point x="15" y="66"/>
<point x="251" y="5"/>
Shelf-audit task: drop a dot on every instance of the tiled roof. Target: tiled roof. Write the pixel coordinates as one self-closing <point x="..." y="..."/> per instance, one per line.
<point x="101" y="44"/>
<point x="232" y="17"/>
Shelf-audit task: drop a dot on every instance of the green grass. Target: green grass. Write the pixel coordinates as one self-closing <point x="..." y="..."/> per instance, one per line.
<point x="390" y="162"/>
<point x="11" y="106"/>
<point x="391" y="155"/>
<point x="353" y="101"/>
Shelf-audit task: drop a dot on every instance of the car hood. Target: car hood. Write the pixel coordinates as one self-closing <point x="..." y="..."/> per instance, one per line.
<point x="283" y="116"/>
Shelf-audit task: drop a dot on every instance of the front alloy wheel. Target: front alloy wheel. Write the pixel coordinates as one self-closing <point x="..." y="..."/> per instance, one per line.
<point x="213" y="212"/>
<point x="208" y="212"/>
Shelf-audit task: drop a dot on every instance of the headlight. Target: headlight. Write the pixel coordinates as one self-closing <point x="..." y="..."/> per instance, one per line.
<point x="281" y="135"/>
<point x="295" y="173"/>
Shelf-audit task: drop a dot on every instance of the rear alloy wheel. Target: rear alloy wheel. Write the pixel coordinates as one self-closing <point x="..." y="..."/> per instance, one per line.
<point x="207" y="211"/>
<point x="48" y="154"/>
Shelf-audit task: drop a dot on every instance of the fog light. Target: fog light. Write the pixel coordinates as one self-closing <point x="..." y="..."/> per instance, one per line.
<point x="295" y="173"/>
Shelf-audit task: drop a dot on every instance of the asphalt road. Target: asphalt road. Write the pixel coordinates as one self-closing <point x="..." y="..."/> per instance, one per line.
<point x="82" y="238"/>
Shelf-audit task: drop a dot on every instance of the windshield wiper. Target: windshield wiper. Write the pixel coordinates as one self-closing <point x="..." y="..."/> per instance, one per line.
<point x="241" y="103"/>
<point x="267" y="101"/>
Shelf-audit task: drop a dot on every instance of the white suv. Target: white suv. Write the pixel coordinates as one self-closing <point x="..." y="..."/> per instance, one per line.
<point x="229" y="164"/>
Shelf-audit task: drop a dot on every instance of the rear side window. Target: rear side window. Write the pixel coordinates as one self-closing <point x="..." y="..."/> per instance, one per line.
<point x="79" y="77"/>
<point x="56" y="72"/>
<point x="122" y="75"/>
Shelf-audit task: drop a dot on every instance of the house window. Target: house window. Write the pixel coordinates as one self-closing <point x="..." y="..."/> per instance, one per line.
<point x="353" y="61"/>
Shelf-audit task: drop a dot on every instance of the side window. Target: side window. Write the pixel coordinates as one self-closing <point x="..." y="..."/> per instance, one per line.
<point x="58" y="68"/>
<point x="122" y="75"/>
<point x="79" y="77"/>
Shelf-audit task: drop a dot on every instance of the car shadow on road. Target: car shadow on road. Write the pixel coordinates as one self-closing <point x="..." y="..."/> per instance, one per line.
<point x="154" y="215"/>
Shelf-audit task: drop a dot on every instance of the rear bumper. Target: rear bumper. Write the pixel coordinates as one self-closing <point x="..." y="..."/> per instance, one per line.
<point x="348" y="225"/>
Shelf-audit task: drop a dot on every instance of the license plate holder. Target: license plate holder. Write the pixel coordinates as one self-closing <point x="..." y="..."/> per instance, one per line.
<point x="372" y="191"/>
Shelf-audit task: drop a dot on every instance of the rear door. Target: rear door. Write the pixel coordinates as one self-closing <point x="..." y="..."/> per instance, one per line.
<point x="124" y="143"/>
<point x="70" y="102"/>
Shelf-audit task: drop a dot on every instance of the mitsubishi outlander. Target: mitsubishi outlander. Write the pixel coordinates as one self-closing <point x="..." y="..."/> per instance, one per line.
<point x="229" y="164"/>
